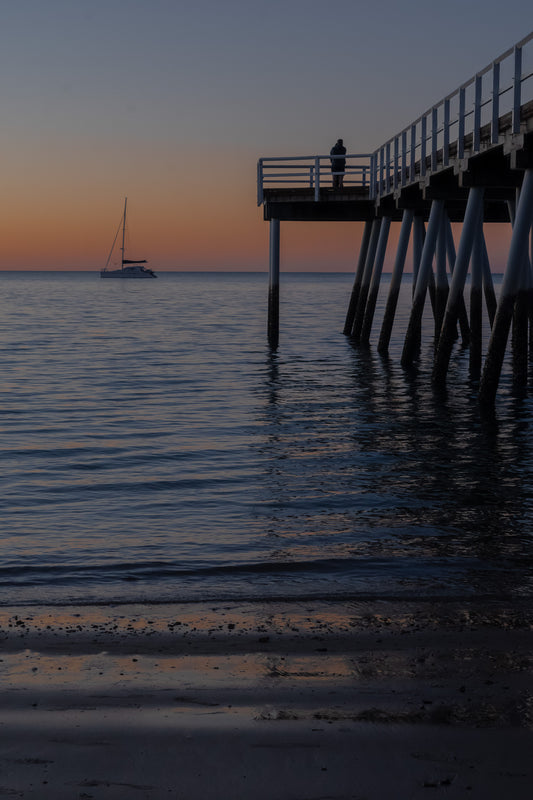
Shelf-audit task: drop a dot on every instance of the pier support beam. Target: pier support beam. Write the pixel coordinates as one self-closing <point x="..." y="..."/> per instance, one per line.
<point x="412" y="337"/>
<point x="376" y="278"/>
<point x="441" y="286"/>
<point x="365" y="283"/>
<point x="488" y="286"/>
<point x="476" y="303"/>
<point x="520" y="338"/>
<point x="463" y="316"/>
<point x="512" y="283"/>
<point x="474" y="210"/>
<point x="396" y="281"/>
<point x="520" y="326"/>
<point x="352" y="306"/>
<point x="419" y="234"/>
<point x="273" y="288"/>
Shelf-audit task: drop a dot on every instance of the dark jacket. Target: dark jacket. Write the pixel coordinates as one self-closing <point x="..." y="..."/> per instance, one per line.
<point x="338" y="164"/>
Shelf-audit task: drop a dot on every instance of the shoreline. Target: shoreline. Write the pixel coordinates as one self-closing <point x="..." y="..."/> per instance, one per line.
<point x="364" y="700"/>
<point x="174" y="625"/>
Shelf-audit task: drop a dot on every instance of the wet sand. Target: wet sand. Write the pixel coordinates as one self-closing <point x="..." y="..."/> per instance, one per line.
<point x="300" y="701"/>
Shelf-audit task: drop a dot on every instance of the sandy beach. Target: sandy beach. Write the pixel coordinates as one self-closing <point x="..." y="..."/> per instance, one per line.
<point x="296" y="701"/>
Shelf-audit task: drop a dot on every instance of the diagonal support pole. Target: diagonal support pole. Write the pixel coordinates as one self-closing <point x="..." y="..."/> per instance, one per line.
<point x="412" y="337"/>
<point x="476" y="303"/>
<point x="365" y="283"/>
<point x="419" y="234"/>
<point x="376" y="278"/>
<point x="463" y="316"/>
<point x="512" y="283"/>
<point x="396" y="280"/>
<point x="474" y="209"/>
<point x="441" y="287"/>
<point x="352" y="306"/>
<point x="488" y="286"/>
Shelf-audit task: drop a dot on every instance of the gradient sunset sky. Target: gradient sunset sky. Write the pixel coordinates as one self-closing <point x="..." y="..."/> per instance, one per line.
<point x="171" y="103"/>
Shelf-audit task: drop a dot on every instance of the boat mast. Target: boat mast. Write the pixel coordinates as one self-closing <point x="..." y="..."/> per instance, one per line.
<point x="124" y="230"/>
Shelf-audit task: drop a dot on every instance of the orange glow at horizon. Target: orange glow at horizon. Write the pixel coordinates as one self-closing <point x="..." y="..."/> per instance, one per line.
<point x="185" y="238"/>
<point x="179" y="218"/>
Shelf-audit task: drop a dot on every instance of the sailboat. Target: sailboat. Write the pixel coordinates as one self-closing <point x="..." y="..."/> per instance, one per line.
<point x="129" y="268"/>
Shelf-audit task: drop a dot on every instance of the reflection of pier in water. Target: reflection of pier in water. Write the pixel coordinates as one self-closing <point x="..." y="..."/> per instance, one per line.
<point x="468" y="159"/>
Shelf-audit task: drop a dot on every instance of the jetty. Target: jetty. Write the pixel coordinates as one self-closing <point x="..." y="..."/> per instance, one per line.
<point x="468" y="159"/>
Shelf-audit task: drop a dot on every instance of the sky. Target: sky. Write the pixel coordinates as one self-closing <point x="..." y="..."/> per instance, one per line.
<point x="171" y="104"/>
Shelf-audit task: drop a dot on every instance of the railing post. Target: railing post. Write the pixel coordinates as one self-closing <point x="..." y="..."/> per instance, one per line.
<point x="404" y="158"/>
<point x="317" y="179"/>
<point x="396" y="161"/>
<point x="260" y="182"/>
<point x="412" y="166"/>
<point x="476" y="135"/>
<point x="461" y="126"/>
<point x="446" y="134"/>
<point x="494" y="126"/>
<point x="373" y="175"/>
<point x="517" y="88"/>
<point x="434" y="130"/>
<point x="423" y="145"/>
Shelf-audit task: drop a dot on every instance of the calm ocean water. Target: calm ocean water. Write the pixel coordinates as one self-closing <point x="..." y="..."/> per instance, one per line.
<point x="153" y="448"/>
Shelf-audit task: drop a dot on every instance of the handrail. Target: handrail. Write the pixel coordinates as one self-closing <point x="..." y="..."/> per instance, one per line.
<point x="311" y="171"/>
<point x="426" y="144"/>
<point x="463" y="123"/>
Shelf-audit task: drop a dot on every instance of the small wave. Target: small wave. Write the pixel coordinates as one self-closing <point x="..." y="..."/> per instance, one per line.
<point x="332" y="569"/>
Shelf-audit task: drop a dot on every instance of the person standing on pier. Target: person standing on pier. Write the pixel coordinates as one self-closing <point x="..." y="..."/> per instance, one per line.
<point x="338" y="165"/>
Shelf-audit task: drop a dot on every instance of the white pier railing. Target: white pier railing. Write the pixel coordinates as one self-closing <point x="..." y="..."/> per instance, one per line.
<point x="462" y="124"/>
<point x="312" y="172"/>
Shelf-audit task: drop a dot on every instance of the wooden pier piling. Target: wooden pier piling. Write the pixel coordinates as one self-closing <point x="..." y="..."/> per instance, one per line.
<point x="396" y="281"/>
<point x="476" y="304"/>
<point x="412" y="338"/>
<point x="365" y="283"/>
<point x="375" y="281"/>
<point x="452" y="312"/>
<point x="464" y="325"/>
<point x="512" y="283"/>
<point x="488" y="286"/>
<point x="273" y="288"/>
<point x="419" y="234"/>
<point x="354" y="298"/>
<point x="441" y="283"/>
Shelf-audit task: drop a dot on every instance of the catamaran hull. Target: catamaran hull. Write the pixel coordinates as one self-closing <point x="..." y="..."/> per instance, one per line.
<point x="127" y="273"/>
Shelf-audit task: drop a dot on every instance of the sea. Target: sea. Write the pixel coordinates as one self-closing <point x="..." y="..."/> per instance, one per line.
<point x="154" y="449"/>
